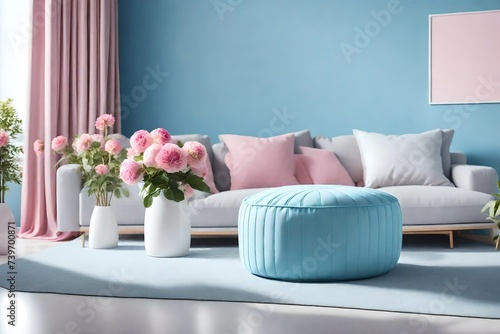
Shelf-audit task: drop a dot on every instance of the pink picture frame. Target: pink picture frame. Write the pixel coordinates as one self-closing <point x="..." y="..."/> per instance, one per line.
<point x="464" y="58"/>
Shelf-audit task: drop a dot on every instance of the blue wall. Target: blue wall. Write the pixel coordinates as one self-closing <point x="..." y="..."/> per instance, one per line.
<point x="232" y="68"/>
<point x="235" y="65"/>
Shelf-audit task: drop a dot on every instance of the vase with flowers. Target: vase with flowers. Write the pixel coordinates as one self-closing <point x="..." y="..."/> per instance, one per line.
<point x="98" y="157"/>
<point x="170" y="173"/>
<point x="10" y="167"/>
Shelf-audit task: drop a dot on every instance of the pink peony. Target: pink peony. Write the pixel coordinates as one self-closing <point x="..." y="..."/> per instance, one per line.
<point x="4" y="138"/>
<point x="171" y="158"/>
<point x="59" y="143"/>
<point x="196" y="154"/>
<point x="102" y="169"/>
<point x="131" y="171"/>
<point x="83" y="142"/>
<point x="38" y="147"/>
<point x="160" y="136"/>
<point x="113" y="147"/>
<point x="150" y="154"/>
<point x="131" y="153"/>
<point x="141" y="140"/>
<point x="187" y="190"/>
<point x="104" y="121"/>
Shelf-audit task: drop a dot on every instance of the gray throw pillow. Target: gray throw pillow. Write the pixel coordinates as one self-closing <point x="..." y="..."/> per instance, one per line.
<point x="445" y="151"/>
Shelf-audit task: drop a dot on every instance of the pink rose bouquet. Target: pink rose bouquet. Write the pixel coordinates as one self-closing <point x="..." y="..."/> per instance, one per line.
<point x="99" y="157"/>
<point x="175" y="170"/>
<point x="10" y="128"/>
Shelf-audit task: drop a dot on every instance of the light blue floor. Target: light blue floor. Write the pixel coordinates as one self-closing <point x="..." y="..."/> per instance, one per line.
<point x="429" y="278"/>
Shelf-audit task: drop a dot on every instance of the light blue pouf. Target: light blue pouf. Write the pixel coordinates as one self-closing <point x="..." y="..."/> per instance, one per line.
<point x="319" y="233"/>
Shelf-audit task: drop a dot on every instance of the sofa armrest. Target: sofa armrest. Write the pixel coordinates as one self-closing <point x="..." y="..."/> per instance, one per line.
<point x="477" y="178"/>
<point x="69" y="184"/>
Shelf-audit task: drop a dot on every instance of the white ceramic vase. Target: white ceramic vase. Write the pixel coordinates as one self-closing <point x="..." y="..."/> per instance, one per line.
<point x="103" y="229"/>
<point x="167" y="228"/>
<point x="6" y="217"/>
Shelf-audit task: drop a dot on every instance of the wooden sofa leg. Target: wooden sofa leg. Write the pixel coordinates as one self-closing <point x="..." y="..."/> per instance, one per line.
<point x="450" y="233"/>
<point x="83" y="239"/>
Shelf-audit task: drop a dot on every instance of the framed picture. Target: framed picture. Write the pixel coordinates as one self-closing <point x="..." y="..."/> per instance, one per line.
<point x="464" y="58"/>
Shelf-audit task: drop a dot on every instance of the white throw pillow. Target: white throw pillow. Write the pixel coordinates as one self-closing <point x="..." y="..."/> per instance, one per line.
<point x="394" y="160"/>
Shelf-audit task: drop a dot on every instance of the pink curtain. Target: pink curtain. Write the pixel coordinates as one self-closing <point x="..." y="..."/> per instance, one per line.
<point x="74" y="80"/>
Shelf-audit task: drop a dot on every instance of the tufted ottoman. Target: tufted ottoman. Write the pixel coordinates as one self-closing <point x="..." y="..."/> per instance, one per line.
<point x="319" y="233"/>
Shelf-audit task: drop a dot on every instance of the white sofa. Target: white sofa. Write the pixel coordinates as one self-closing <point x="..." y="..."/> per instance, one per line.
<point x="426" y="209"/>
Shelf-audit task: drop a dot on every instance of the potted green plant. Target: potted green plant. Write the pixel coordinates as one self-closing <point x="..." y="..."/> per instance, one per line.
<point x="10" y="167"/>
<point x="493" y="213"/>
<point x="10" y="128"/>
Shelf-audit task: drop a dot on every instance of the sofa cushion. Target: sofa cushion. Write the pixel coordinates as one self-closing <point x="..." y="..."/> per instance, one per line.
<point x="322" y="167"/>
<point x="222" y="177"/>
<point x="260" y="162"/>
<point x="347" y="151"/>
<point x="219" y="210"/>
<point x="410" y="159"/>
<point x="221" y="171"/>
<point x="302" y="138"/>
<point x="422" y="205"/>
<point x="301" y="172"/>
<point x="447" y="136"/>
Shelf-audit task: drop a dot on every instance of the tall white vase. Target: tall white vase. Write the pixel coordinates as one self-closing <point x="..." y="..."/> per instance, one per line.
<point x="6" y="217"/>
<point x="103" y="229"/>
<point x="167" y="228"/>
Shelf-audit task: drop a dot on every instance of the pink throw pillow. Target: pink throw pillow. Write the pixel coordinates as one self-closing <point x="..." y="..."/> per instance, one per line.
<point x="260" y="162"/>
<point x="324" y="167"/>
<point x="301" y="173"/>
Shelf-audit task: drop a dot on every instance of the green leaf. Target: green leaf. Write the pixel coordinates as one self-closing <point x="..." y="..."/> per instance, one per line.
<point x="168" y="194"/>
<point x="197" y="183"/>
<point x="179" y="143"/>
<point x="159" y="179"/>
<point x="497" y="204"/>
<point x="178" y="195"/>
<point x="148" y="200"/>
<point x="177" y="177"/>
<point x="487" y="206"/>
<point x="125" y="192"/>
<point x="202" y="187"/>
<point x="495" y="238"/>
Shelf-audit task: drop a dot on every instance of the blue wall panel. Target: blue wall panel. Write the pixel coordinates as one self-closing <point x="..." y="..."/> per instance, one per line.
<point x="332" y="66"/>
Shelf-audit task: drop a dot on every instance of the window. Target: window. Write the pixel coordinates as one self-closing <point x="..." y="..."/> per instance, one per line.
<point x="15" y="44"/>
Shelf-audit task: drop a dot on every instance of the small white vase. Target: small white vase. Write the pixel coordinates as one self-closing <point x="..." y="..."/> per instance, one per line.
<point x="167" y="228"/>
<point x="103" y="229"/>
<point x="6" y="217"/>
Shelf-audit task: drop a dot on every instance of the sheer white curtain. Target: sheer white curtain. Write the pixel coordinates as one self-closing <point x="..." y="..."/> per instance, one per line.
<point x="15" y="44"/>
